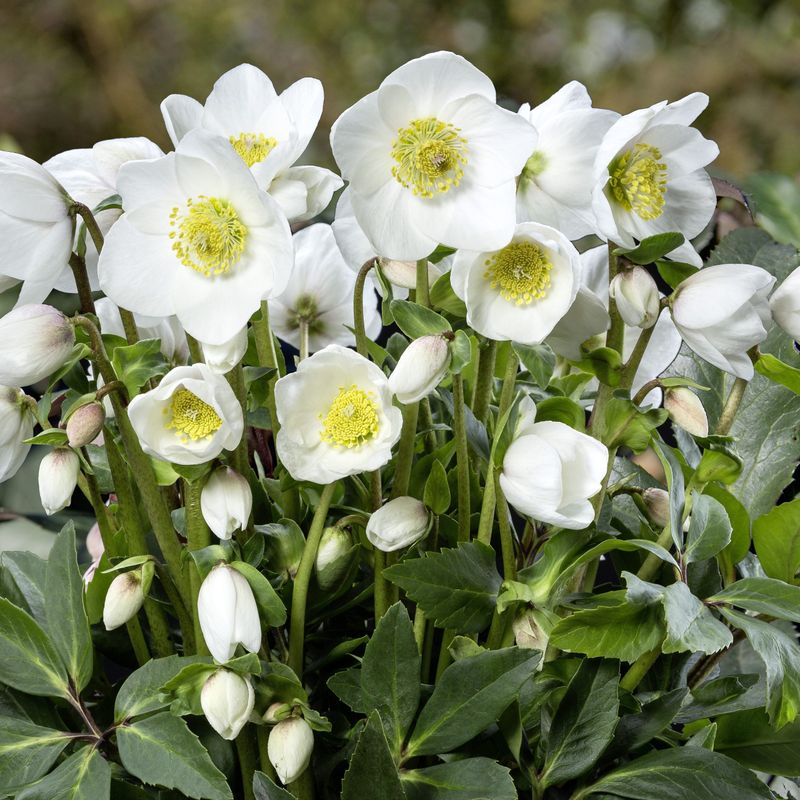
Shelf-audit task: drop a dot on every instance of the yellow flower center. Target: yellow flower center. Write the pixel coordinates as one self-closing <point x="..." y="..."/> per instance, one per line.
<point x="253" y="148"/>
<point x="191" y="417"/>
<point x="208" y="236"/>
<point x="430" y="157"/>
<point x="638" y="181"/>
<point x="352" y="418"/>
<point x="520" y="271"/>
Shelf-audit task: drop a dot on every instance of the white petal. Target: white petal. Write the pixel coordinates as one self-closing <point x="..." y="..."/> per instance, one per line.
<point x="181" y="115"/>
<point x="303" y="103"/>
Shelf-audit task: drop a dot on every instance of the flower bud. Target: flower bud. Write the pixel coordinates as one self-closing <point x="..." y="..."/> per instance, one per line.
<point x="85" y="423"/>
<point x="785" y="305"/>
<point x="124" y="598"/>
<point x="96" y="548"/>
<point x="277" y="712"/>
<point x="16" y="425"/>
<point x="58" y="477"/>
<point x="685" y="409"/>
<point x="657" y="503"/>
<point x="636" y="295"/>
<point x="290" y="745"/>
<point x="420" y="369"/>
<point x="404" y="273"/>
<point x="283" y="546"/>
<point x="35" y="341"/>
<point x="398" y="524"/>
<point x="222" y="358"/>
<point x="227" y="699"/>
<point x="532" y="630"/>
<point x="226" y="502"/>
<point x="333" y="557"/>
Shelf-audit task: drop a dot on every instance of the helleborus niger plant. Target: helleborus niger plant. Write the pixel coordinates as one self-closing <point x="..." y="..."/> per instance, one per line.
<point x="477" y="493"/>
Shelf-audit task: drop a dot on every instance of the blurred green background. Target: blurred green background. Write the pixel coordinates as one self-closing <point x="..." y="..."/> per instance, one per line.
<point x="75" y="71"/>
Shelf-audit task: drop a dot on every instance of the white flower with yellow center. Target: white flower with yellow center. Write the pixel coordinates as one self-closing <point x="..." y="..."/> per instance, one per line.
<point x="555" y="187"/>
<point x="336" y="416"/>
<point x="649" y="176"/>
<point x="198" y="239"/>
<point x="320" y="294"/>
<point x="432" y="159"/>
<point x="267" y="130"/>
<point x="521" y="291"/>
<point x="189" y="418"/>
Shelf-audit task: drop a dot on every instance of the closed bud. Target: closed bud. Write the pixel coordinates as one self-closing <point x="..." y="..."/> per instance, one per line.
<point x="398" y="524"/>
<point x="16" y="425"/>
<point x="636" y="295"/>
<point x="290" y="745"/>
<point x="657" y="503"/>
<point x="85" y="423"/>
<point x="58" y="477"/>
<point x="124" y="598"/>
<point x="404" y="273"/>
<point x="421" y="367"/>
<point x="227" y="699"/>
<point x="226" y="502"/>
<point x="685" y="409"/>
<point x="277" y="712"/>
<point x="333" y="557"/>
<point x="532" y="630"/>
<point x="35" y="341"/>
<point x="222" y="358"/>
<point x="283" y="546"/>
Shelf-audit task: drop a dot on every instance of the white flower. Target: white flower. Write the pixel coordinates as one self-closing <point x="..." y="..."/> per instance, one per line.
<point x="124" y="598"/>
<point x="420" y="369"/>
<point x="226" y="501"/>
<point x="785" y="304"/>
<point x="432" y="159"/>
<point x="551" y="470"/>
<point x="227" y="612"/>
<point x="321" y="294"/>
<point x="661" y="351"/>
<point x="336" y="417"/>
<point x="290" y="745"/>
<point x="267" y="130"/>
<point x="722" y="311"/>
<point x="35" y="341"/>
<point x="36" y="227"/>
<point x="398" y="524"/>
<point x="222" y="358"/>
<point x="189" y="418"/>
<point x="649" y="176"/>
<point x="636" y="296"/>
<point x="58" y="477"/>
<point x="227" y="699"/>
<point x="686" y="409"/>
<point x="521" y="291"/>
<point x="555" y="187"/>
<point x="16" y="425"/>
<point x="198" y="239"/>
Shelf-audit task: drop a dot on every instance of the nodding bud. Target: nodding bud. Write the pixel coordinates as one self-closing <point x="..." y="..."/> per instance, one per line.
<point x="637" y="298"/>
<point x="124" y="598"/>
<point x="222" y="358"/>
<point x="657" y="503"/>
<point x="85" y="423"/>
<point x="58" y="477"/>
<point x="290" y="745"/>
<point x="421" y="367"/>
<point x="404" y="273"/>
<point x="685" y="409"/>
<point x="398" y="524"/>
<point x="333" y="557"/>
<point x="227" y="700"/>
<point x="532" y="630"/>
<point x="35" y="341"/>
<point x="284" y="544"/>
<point x="226" y="501"/>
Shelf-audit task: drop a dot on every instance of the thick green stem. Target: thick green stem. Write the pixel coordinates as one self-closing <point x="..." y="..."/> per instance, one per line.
<point x="241" y="459"/>
<point x="262" y="737"/>
<point x="136" y="634"/>
<point x="303" y="339"/>
<point x="484" y="384"/>
<point x="506" y="532"/>
<point x="632" y="364"/>
<point x="616" y="330"/>
<point x="426" y="422"/>
<point x="731" y="407"/>
<point x="381" y="596"/>
<point x="195" y="350"/>
<point x="91" y="223"/>
<point x="267" y="357"/>
<point x="423" y="296"/>
<point x="78" y="266"/>
<point x="509" y="383"/>
<point x="358" y="308"/>
<point x="198" y="536"/>
<point x="652" y="564"/>
<point x="129" y="326"/>
<point x="634" y="676"/>
<point x="246" y="750"/>
<point x="462" y="458"/>
<point x="486" y="522"/>
<point x="405" y="451"/>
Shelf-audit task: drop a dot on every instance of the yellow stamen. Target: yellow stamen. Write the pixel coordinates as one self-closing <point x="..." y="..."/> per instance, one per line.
<point x="191" y="417"/>
<point x="520" y="271"/>
<point x="638" y="181"/>
<point x="253" y="148"/>
<point x="352" y="418"/>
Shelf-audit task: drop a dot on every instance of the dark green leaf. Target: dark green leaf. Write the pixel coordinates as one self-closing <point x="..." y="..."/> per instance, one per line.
<point x="467" y="779"/>
<point x="748" y="737"/>
<point x="27" y="751"/>
<point x="443" y="297"/>
<point x="724" y="695"/>
<point x="709" y="529"/>
<point x="437" y="491"/>
<point x="763" y="595"/>
<point x="690" y="625"/>
<point x="674" y="475"/>
<point x="539" y="360"/>
<point x="636" y="730"/>
<point x="415" y="320"/>
<point x="651" y="248"/>
<point x="136" y="364"/>
<point x="85" y="775"/>
<point x="372" y="772"/>
<point x="776" y="536"/>
<point x="675" y="273"/>
<point x="265" y="789"/>
<point x="22" y="577"/>
<point x="272" y="609"/>
<point x="346" y="685"/>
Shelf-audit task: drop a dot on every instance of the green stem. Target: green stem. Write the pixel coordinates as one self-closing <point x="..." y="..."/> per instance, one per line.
<point x="267" y="357"/>
<point x="302" y="579"/>
<point x="262" y="738"/>
<point x="652" y="564"/>
<point x="509" y="383"/>
<point x="241" y="459"/>
<point x="303" y="339"/>
<point x="78" y="265"/>
<point x="129" y="326"/>
<point x="426" y="421"/>
<point x="90" y="222"/>
<point x="134" y="628"/>
<point x="462" y="458"/>
<point x="731" y="407"/>
<point x="381" y="597"/>
<point x="198" y="536"/>
<point x="632" y="364"/>
<point x="444" y="653"/>
<point x="423" y="296"/>
<point x="506" y="532"/>
<point x="486" y="522"/>
<point x="246" y="750"/>
<point x="634" y="676"/>
<point x="484" y="384"/>
<point x="616" y="330"/>
<point x="405" y="451"/>
<point x="358" y="308"/>
<point x="195" y="350"/>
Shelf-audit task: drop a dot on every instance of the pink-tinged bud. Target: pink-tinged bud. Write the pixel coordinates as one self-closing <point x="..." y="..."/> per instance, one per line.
<point x="85" y="424"/>
<point x="657" y="504"/>
<point x="124" y="598"/>
<point x="685" y="409"/>
<point x="58" y="477"/>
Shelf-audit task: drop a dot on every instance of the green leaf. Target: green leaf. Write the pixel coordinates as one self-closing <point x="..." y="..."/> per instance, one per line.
<point x="22" y="577"/>
<point x="625" y="424"/>
<point x="443" y="297"/>
<point x="739" y="545"/>
<point x="762" y="595"/>
<point x="561" y="409"/>
<point x="390" y="675"/>
<point x="85" y="775"/>
<point x="690" y="625"/>
<point x="457" y="588"/>
<point x="466" y="779"/>
<point x="372" y="772"/>
<point x="777" y="200"/>
<point x="778" y="372"/>
<point x="539" y="360"/>
<point x="67" y="623"/>
<point x="675" y="273"/>
<point x="265" y="789"/>
<point x="603" y="362"/>
<point x="776" y="536"/>
<point x="346" y="685"/>
<point x="709" y="529"/>
<point x="677" y="499"/>
<point x="415" y="320"/>
<point x="136" y="364"/>
<point x="470" y="695"/>
<point x="27" y="752"/>
<point x="437" y="491"/>
<point x="460" y="352"/>
<point x="719" y="462"/>
<point x="724" y="695"/>
<point x="273" y="611"/>
<point x="651" y="248"/>
<point x="636" y="730"/>
<point x="781" y="656"/>
<point x="55" y="437"/>
<point x="28" y="661"/>
<point x="161" y="750"/>
<point x="584" y="722"/>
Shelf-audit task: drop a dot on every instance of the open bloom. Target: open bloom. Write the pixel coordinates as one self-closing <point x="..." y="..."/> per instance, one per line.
<point x="432" y="159"/>
<point x="290" y="745"/>
<point x="35" y="226"/>
<point x="649" y="176"/>
<point x="398" y="524"/>
<point x="189" y="418"/>
<point x="227" y="700"/>
<point x="320" y="294"/>
<point x="336" y="417"/>
<point x="226" y="501"/>
<point x="555" y="187"/>
<point x="785" y="304"/>
<point x="269" y="132"/>
<point x="16" y="425"/>
<point x="723" y="311"/>
<point x="521" y="291"/>
<point x="58" y="477"/>
<point x="198" y="239"/>
<point x="551" y="470"/>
